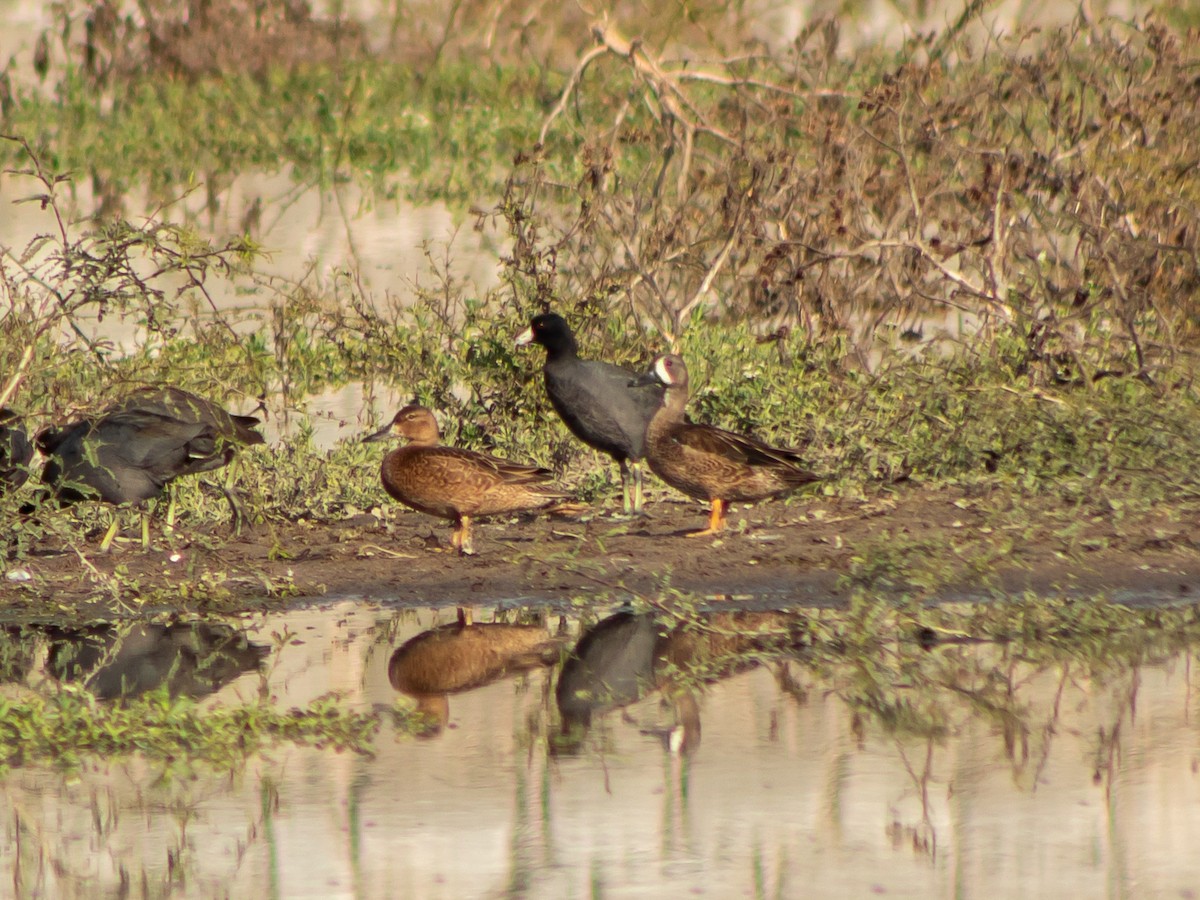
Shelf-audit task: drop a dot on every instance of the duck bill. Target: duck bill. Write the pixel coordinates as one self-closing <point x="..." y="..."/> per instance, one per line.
<point x="381" y="435"/>
<point x="525" y="337"/>
<point x="649" y="378"/>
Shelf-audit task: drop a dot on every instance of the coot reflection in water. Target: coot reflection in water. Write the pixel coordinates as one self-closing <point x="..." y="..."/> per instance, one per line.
<point x="627" y="656"/>
<point x="192" y="659"/>
<point x="463" y="656"/>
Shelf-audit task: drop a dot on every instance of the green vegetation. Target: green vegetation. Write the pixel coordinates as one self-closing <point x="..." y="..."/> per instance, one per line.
<point x="370" y="122"/>
<point x="958" y="265"/>
<point x="70" y="726"/>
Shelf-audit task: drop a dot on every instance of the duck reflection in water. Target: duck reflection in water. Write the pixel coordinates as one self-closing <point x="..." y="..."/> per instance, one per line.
<point x="628" y="656"/>
<point x="192" y="659"/>
<point x="462" y="656"/>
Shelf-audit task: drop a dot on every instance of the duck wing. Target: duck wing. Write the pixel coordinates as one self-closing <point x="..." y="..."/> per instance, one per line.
<point x="461" y="460"/>
<point x="156" y="442"/>
<point x="737" y="448"/>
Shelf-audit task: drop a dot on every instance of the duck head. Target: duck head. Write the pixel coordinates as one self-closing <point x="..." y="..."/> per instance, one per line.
<point x="668" y="370"/>
<point x="413" y="422"/>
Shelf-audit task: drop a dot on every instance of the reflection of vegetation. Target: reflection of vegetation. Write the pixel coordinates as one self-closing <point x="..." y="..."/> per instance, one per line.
<point x="908" y="672"/>
<point x="70" y="726"/>
<point x="925" y="672"/>
<point x="192" y="659"/>
<point x="135" y="688"/>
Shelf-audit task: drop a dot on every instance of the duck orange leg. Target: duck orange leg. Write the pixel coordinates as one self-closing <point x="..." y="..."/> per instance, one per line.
<point x="716" y="521"/>
<point x="460" y="540"/>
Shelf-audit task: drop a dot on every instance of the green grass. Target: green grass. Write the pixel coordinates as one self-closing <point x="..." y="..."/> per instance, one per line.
<point x="70" y="726"/>
<point x="371" y="121"/>
<point x="1122" y="448"/>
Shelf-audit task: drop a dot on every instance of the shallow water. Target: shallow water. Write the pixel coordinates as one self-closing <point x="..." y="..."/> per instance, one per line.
<point x="767" y="782"/>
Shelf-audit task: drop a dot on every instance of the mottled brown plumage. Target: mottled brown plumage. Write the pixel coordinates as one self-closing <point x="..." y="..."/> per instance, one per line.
<point x="709" y="463"/>
<point x="457" y="484"/>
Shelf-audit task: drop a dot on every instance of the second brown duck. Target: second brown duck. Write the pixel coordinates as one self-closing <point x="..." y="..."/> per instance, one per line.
<point x="454" y="483"/>
<point x="709" y="463"/>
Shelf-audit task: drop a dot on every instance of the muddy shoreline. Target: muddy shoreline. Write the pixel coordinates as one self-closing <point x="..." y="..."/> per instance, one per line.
<point x="936" y="545"/>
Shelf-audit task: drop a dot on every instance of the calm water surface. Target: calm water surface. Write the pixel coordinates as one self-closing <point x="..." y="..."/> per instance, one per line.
<point x="766" y="782"/>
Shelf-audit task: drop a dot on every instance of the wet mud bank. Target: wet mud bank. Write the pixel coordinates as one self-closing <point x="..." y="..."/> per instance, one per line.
<point x="938" y="546"/>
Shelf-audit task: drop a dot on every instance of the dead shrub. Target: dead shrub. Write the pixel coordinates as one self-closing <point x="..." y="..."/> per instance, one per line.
<point x="1042" y="190"/>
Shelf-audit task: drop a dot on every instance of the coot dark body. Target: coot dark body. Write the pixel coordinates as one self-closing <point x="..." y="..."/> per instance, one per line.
<point x="130" y="452"/>
<point x="596" y="401"/>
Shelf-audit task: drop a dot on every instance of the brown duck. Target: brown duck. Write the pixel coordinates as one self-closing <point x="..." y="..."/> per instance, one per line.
<point x="457" y="484"/>
<point x="710" y="463"/>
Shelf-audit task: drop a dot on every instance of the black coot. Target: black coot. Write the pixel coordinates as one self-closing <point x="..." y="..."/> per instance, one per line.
<point x="138" y="445"/>
<point x="596" y="401"/>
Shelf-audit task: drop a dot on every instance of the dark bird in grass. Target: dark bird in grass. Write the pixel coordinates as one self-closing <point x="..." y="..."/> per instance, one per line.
<point x="456" y="484"/>
<point x="15" y="451"/>
<point x="710" y="463"/>
<point x="596" y="401"/>
<point x="132" y="450"/>
<point x="463" y="656"/>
